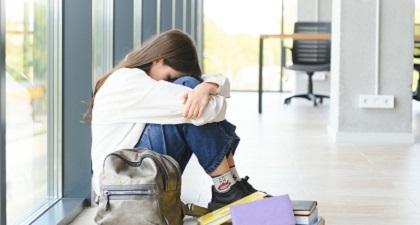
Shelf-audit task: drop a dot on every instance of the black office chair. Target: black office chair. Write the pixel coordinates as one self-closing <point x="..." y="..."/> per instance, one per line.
<point x="310" y="56"/>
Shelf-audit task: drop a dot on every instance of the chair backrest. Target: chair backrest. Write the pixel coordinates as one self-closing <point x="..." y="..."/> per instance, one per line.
<point x="312" y="52"/>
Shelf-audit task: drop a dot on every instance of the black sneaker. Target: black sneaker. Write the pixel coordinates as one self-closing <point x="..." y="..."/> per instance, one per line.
<point x="247" y="187"/>
<point x="220" y="199"/>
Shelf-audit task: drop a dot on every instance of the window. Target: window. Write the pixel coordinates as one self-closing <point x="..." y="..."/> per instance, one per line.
<point x="231" y="39"/>
<point x="32" y="107"/>
<point x="102" y="50"/>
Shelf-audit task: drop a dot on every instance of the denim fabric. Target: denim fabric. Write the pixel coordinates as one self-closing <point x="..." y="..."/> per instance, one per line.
<point x="210" y="142"/>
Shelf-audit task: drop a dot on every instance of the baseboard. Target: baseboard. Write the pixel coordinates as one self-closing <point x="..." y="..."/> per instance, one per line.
<point x="370" y="138"/>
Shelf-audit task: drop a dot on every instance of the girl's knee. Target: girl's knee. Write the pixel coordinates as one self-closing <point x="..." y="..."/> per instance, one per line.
<point x="187" y="81"/>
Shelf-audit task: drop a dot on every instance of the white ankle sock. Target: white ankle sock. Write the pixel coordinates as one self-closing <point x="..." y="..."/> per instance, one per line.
<point x="235" y="174"/>
<point x="223" y="182"/>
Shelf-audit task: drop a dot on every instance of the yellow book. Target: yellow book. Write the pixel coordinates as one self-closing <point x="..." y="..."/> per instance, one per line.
<point x="321" y="221"/>
<point x="222" y="215"/>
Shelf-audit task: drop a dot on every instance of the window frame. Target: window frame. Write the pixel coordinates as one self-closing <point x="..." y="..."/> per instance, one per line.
<point x="54" y="113"/>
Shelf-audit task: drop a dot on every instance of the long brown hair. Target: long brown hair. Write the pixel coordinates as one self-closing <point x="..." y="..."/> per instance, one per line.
<point x="176" y="49"/>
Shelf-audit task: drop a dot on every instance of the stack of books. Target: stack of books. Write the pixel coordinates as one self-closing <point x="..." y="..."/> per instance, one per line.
<point x="268" y="211"/>
<point x="223" y="215"/>
<point x="256" y="209"/>
<point x="306" y="213"/>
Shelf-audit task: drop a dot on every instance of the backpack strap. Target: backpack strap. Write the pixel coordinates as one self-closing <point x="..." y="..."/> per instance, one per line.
<point x="194" y="210"/>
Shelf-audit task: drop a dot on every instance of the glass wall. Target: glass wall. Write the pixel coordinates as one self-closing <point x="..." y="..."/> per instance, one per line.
<point x="31" y="174"/>
<point x="231" y="39"/>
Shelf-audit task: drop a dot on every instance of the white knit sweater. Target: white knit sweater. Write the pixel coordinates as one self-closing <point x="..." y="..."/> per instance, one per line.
<point x="130" y="98"/>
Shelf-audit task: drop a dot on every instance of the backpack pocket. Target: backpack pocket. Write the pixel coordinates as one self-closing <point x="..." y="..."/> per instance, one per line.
<point x="119" y="204"/>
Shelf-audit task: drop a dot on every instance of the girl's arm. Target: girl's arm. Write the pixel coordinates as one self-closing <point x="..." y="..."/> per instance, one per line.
<point x="222" y="81"/>
<point x="129" y="95"/>
<point x="196" y="100"/>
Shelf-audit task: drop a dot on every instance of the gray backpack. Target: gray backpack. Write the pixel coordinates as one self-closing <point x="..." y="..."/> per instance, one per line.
<point x="141" y="187"/>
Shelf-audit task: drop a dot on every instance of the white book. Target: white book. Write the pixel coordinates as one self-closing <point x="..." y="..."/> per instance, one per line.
<point x="304" y="220"/>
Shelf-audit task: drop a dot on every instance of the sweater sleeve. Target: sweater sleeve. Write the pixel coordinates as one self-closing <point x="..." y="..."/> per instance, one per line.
<point x="141" y="99"/>
<point x="222" y="81"/>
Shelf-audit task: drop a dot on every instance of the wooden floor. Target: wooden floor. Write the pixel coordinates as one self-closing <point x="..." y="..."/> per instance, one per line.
<point x="287" y="150"/>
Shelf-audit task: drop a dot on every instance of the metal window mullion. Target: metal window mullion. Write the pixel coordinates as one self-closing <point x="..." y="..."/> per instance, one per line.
<point x="158" y="15"/>
<point x="199" y="27"/>
<point x="59" y="98"/>
<point x="109" y="34"/>
<point x="2" y="113"/>
<point x="103" y="11"/>
<point x="193" y="10"/>
<point x="184" y="16"/>
<point x="173" y="13"/>
<point x="50" y="97"/>
<point x="54" y="78"/>
<point x="138" y="5"/>
<point x="282" y="46"/>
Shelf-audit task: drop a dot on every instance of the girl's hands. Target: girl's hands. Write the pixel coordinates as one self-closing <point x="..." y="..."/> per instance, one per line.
<point x="197" y="99"/>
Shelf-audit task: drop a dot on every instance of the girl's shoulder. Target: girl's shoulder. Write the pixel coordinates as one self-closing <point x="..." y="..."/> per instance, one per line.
<point x="125" y="79"/>
<point x="128" y="74"/>
<point x="129" y="71"/>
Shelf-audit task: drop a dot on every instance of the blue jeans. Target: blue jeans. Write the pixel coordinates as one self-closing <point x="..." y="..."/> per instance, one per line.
<point x="210" y="142"/>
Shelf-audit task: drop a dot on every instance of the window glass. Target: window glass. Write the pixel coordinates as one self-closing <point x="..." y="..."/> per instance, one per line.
<point x="231" y="40"/>
<point x="102" y="38"/>
<point x="26" y="107"/>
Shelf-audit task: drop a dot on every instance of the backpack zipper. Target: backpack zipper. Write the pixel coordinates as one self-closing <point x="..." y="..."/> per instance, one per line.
<point x="159" y="163"/>
<point x="178" y="174"/>
<point x="108" y="193"/>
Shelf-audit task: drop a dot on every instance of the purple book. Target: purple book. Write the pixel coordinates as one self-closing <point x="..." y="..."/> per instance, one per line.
<point x="269" y="211"/>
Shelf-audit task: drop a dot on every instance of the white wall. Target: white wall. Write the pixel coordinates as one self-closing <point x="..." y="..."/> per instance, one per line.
<point x="353" y="71"/>
<point x="314" y="10"/>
